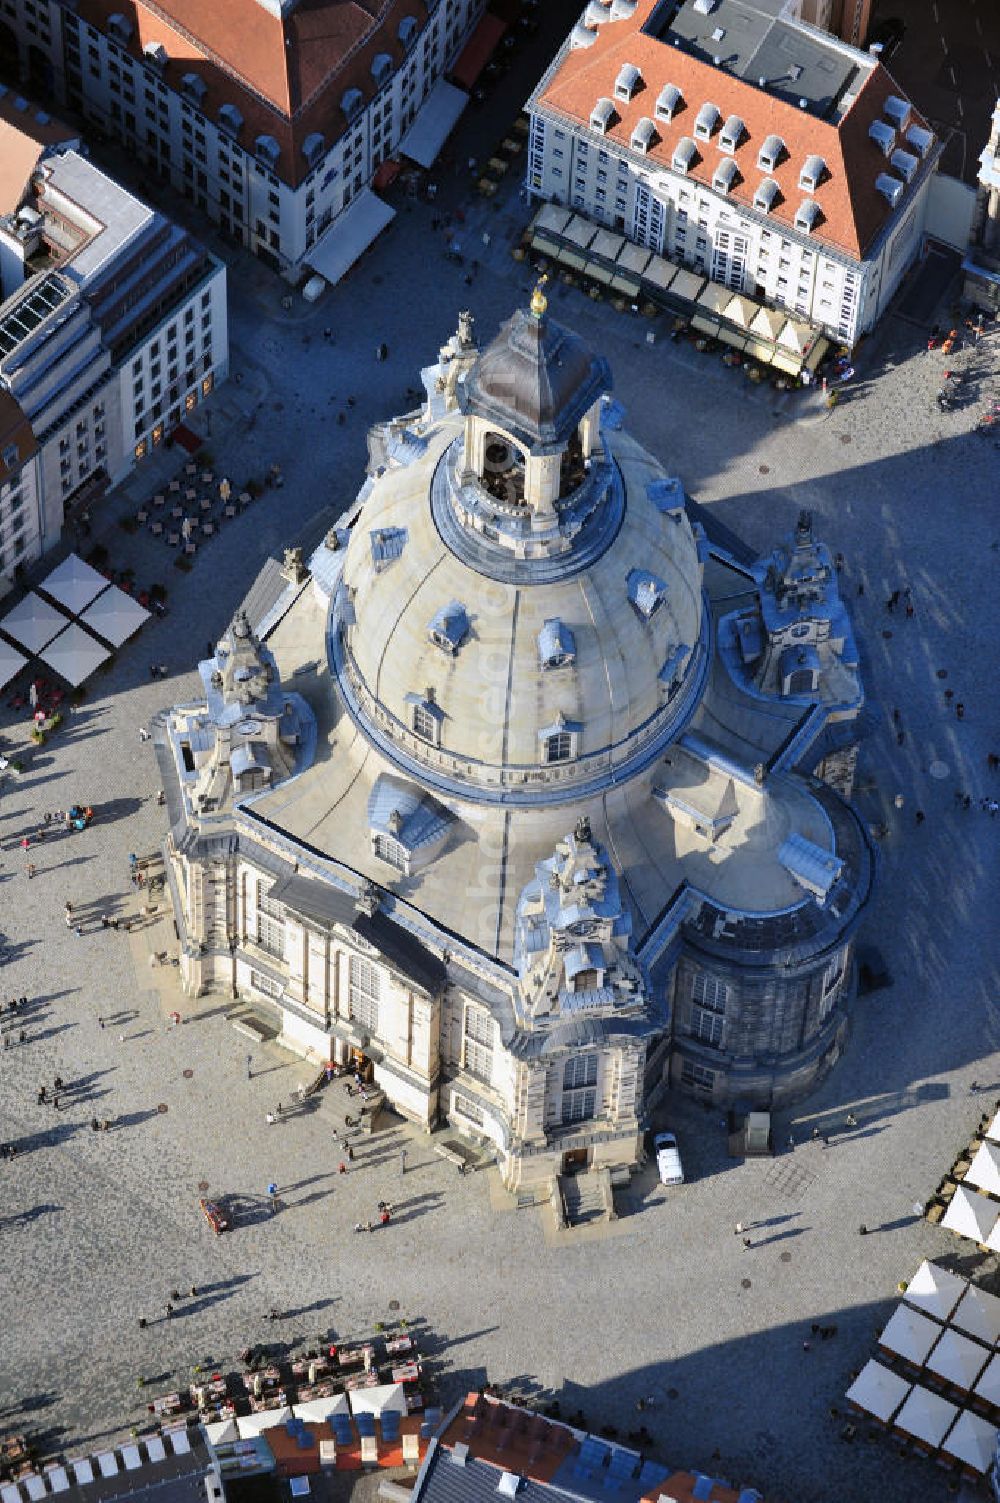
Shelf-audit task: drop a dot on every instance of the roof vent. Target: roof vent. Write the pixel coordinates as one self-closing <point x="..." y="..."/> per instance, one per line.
<point x="890" y="187"/>
<point x="803" y="104"/>
<point x="582" y="36"/>
<point x="704" y="7"/>
<point x="905" y="163"/>
<point x="508" y="1484"/>
<point x="897" y="110"/>
<point x="459" y="1453"/>
<point x="921" y="140"/>
<point x="883" y="135"/>
<point x="668" y="102"/>
<point x="718" y="34"/>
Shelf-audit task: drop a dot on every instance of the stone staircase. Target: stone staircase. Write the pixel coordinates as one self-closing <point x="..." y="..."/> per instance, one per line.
<point x="584" y="1198"/>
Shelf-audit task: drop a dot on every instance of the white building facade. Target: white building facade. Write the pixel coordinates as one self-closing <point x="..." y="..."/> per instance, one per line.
<point x="815" y="206"/>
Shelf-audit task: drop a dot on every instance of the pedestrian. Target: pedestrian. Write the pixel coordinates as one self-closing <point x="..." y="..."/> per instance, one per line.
<point x="175" y="1294"/>
<point x="402" y="1161"/>
<point x="350" y="1154"/>
<point x="170" y="1310"/>
<point x="68" y="915"/>
<point x="100" y="1022"/>
<point x="851" y="1120"/>
<point x="31" y="870"/>
<point x="270" y="1119"/>
<point x="862" y="1230"/>
<point x="58" y="1083"/>
<point x="105" y="921"/>
<point x="143" y="733"/>
<point x="194" y="1291"/>
<point x="55" y="1102"/>
<point x="25" y="843"/>
<point x="249" y="1067"/>
<point x="41" y="1095"/>
<point x="738" y="1229"/>
<point x="900" y="737"/>
<point x="973" y="1087"/>
<point x="861" y="587"/>
<point x="815" y="1134"/>
<point x="960" y="710"/>
<point x="920" y="816"/>
<point x="142" y="1322"/>
<point x="341" y="1167"/>
<point x="897" y="717"/>
<point x="272" y="1192"/>
<point x="747" y="1243"/>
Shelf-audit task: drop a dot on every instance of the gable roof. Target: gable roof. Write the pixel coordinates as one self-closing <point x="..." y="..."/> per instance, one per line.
<point x="852" y="209"/>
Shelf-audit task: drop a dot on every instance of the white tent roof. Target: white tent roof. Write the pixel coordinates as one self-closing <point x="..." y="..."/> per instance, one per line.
<point x="878" y="1391"/>
<point x="988" y="1387"/>
<point x="74" y="654"/>
<point x="910" y="1334"/>
<point x="926" y="1416"/>
<point x="11" y="663"/>
<point x="114" y="616"/>
<point x="251" y="1425"/>
<point x="934" y="1290"/>
<point x="973" y="1440"/>
<point x="74" y="584"/>
<point x="978" y="1314"/>
<point x="993" y="1131"/>
<point x="315" y="1411"/>
<point x="376" y="1400"/>
<point x="34" y="622"/>
<point x="970" y="1215"/>
<point x="433" y="124"/>
<point x="984" y="1171"/>
<point x="958" y="1359"/>
<point x="219" y="1432"/>
<point x="349" y="236"/>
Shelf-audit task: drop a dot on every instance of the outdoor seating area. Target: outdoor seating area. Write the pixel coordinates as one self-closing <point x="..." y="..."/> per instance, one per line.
<point x="193" y="509"/>
<point x="936" y="1382"/>
<point x="767" y="340"/>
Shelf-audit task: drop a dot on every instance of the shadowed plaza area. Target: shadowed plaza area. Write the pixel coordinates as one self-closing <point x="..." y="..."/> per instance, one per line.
<point x="666" y="1303"/>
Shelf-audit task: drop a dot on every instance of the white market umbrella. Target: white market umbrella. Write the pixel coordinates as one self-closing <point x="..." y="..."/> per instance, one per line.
<point x="926" y="1416"/>
<point x="978" y="1314"/>
<point x="74" y="654"/>
<point x="973" y="1441"/>
<point x="11" y="663"/>
<point x="318" y="1411"/>
<point x="114" y="616"/>
<point x="958" y="1359"/>
<point x="74" y="584"/>
<point x="221" y="1432"/>
<point x="910" y="1334"/>
<point x="378" y="1399"/>
<point x="934" y="1290"/>
<point x="993" y="1131"/>
<point x="33" y="622"/>
<point x="878" y="1391"/>
<point x="970" y="1215"/>
<point x="251" y="1425"/>
<point x="984" y="1171"/>
<point x="988" y="1387"/>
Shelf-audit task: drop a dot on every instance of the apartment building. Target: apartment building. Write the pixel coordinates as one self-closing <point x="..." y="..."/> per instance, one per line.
<point x="112" y="329"/>
<point x="732" y="137"/>
<point x="270" y="115"/>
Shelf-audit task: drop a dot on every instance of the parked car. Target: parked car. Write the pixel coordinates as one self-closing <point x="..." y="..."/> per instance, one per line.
<point x="314" y="289"/>
<point x="668" y="1159"/>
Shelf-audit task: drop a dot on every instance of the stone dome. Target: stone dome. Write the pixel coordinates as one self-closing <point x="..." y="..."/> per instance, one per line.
<point x="535" y="380"/>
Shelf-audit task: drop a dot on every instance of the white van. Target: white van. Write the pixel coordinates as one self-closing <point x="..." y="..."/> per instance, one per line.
<point x="668" y="1159"/>
<point x="314" y="289"/>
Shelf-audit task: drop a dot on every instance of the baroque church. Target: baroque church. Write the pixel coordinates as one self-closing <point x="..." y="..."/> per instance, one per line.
<point x="522" y="795"/>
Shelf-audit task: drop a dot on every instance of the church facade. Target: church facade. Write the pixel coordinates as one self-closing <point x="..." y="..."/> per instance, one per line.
<point x="520" y="794"/>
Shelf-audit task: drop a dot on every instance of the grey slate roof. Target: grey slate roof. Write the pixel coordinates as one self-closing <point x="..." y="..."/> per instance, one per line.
<point x="403" y="950"/>
<point x="264" y="593"/>
<point x="316" y="900"/>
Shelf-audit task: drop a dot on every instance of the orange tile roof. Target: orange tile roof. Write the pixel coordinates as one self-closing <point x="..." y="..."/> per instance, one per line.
<point x="286" y="76"/>
<point x="23" y="139"/>
<point x="14" y="429"/>
<point x="853" y="210"/>
<point x="511" y="1438"/>
<point x="679" y="1488"/>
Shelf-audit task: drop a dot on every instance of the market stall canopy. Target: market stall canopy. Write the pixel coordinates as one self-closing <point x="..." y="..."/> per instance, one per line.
<point x="74" y="654"/>
<point x="878" y="1391"/>
<point x="383" y="1398"/>
<point x="910" y="1334"/>
<point x="74" y="584"/>
<point x="349" y="236"/>
<point x="433" y="124"/>
<point x="958" y="1359"/>
<point x="659" y="273"/>
<point x="634" y="259"/>
<point x="686" y="284"/>
<point x="544" y="245"/>
<point x="251" y="1425"/>
<point x="984" y="1171"/>
<point x="607" y="245"/>
<point x="713" y="298"/>
<point x="978" y="1314"/>
<point x="11" y="663"/>
<point x="993" y="1131"/>
<point x="970" y="1215"/>
<point x="478" y="50"/>
<point x="114" y="616"/>
<point x="552" y="219"/>
<point x="580" y="231"/>
<point x="926" y="1416"/>
<point x="768" y="323"/>
<point x="934" y="1290"/>
<point x="988" y="1387"/>
<point x="221" y="1432"/>
<point x="973" y="1441"/>
<point x="33" y="622"/>
<point x="318" y="1411"/>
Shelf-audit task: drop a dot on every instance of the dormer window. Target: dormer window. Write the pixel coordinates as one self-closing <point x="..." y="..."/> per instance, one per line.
<point x="556" y="645"/>
<point x="602" y="116"/>
<point x="668" y="102"/>
<point x="194" y="88"/>
<point x="807" y="216"/>
<point x="314" y="148"/>
<point x="267" y="148"/>
<point x="771" y="153"/>
<point x="120" y="28"/>
<point x="387" y="544"/>
<point x="407" y="33"/>
<point x="897" y="110"/>
<point x="154" y="54"/>
<point x="920" y="139"/>
<point x="883" y="135"/>
<point x="726" y="176"/>
<point x="766" y="196"/>
<point x="685" y="155"/>
<point x="644" y="136"/>
<point x="351" y="103"/>
<point x="706" y="120"/>
<point x="426" y="716"/>
<point x="905" y="163"/>
<point x="628" y="82"/>
<point x="811" y="175"/>
<point x="732" y="134"/>
<point x="406" y="826"/>
<point x="381" y="67"/>
<point x="230" y="119"/>
<point x="449" y="627"/>
<point x="890" y="187"/>
<point x="646" y="591"/>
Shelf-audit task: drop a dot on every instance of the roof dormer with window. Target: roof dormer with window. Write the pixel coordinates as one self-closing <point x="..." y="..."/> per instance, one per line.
<point x="120" y="28"/>
<point x="731" y="134"/>
<point x="766" y="196"/>
<point x="628" y="82"/>
<point x="230" y="119"/>
<point x="811" y="175"/>
<point x="603" y="116"/>
<point x="644" y="136"/>
<point x="726" y="176"/>
<point x="668" y="102"/>
<point x="381" y="68"/>
<point x="884" y="136"/>
<point x="807" y="216"/>
<point x="268" y="150"/>
<point x="706" y="121"/>
<point x="194" y="88"/>
<point x="771" y="152"/>
<point x="685" y="155"/>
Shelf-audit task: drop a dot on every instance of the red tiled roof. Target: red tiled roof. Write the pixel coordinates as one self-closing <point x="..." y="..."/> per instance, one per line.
<point x="23" y="139"/>
<point x="286" y="77"/>
<point x="853" y="209"/>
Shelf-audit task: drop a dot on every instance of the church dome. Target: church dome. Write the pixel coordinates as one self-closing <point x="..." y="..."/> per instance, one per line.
<point x="535" y="380"/>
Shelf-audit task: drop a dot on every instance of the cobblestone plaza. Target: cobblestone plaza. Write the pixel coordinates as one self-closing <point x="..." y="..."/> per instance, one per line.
<point x="666" y="1303"/>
